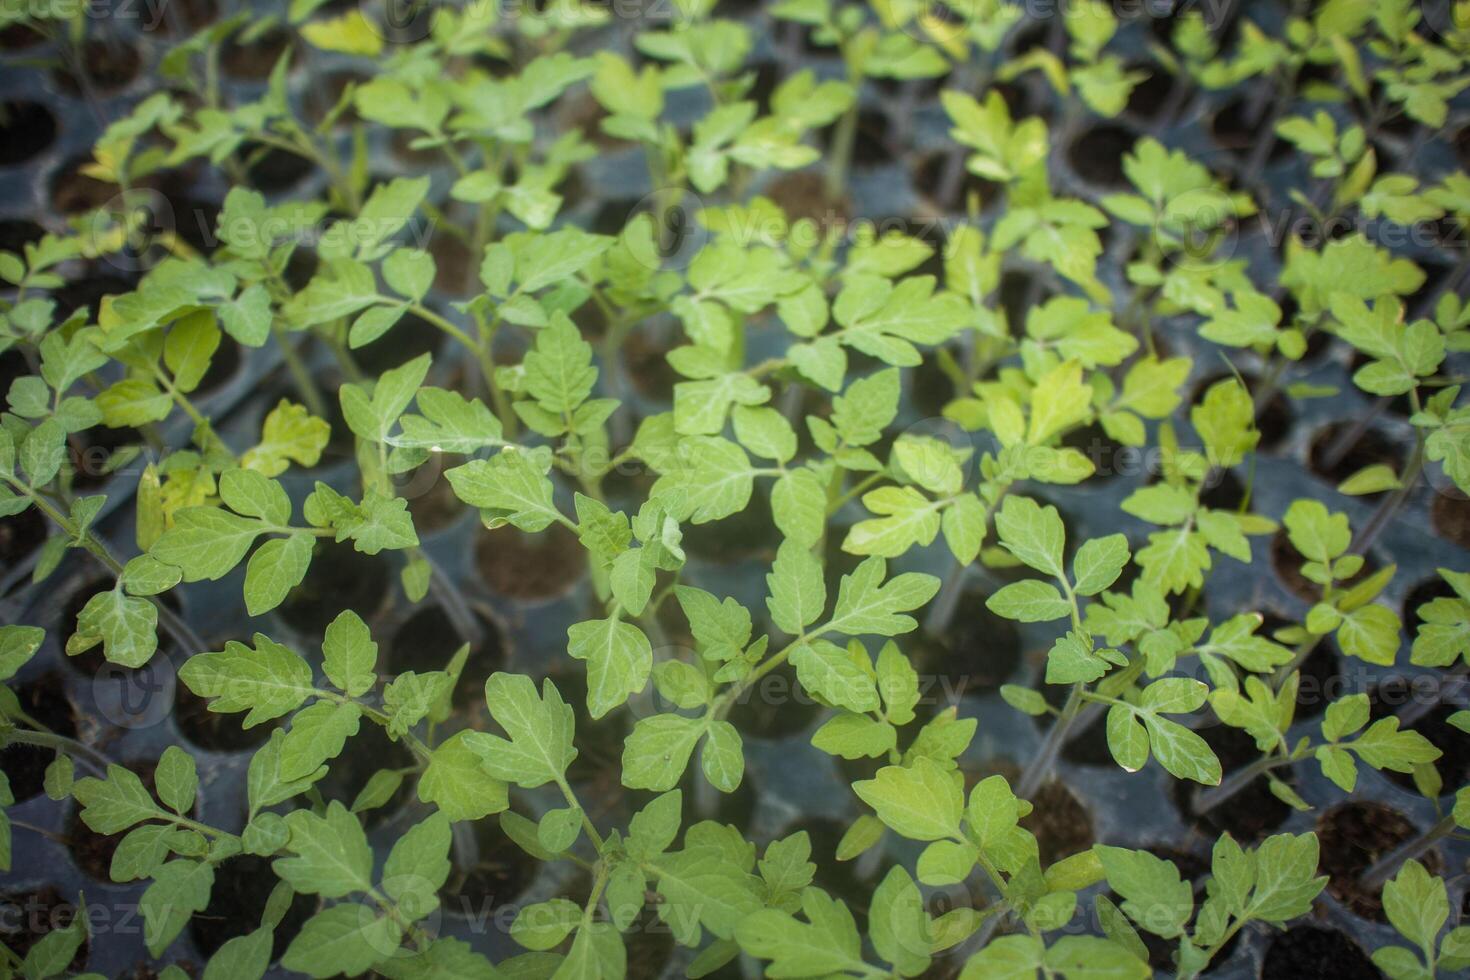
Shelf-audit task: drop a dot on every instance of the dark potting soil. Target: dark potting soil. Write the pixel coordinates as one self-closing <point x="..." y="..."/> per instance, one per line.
<point x="499" y="876"/>
<point x="1310" y="952"/>
<point x="518" y="565"/>
<point x="1060" y="822"/>
<point x="428" y="639"/>
<point x="242" y="887"/>
<point x="214" y="731"/>
<point x="365" y="753"/>
<point x="1450" y="515"/>
<point x="27" y="916"/>
<point x="45" y="700"/>
<point x="1249" y="815"/>
<point x="338" y="579"/>
<point x="1355" y="835"/>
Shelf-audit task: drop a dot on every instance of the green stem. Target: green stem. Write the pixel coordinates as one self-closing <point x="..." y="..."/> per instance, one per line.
<point x="90" y="757"/>
<point x="306" y="385"/>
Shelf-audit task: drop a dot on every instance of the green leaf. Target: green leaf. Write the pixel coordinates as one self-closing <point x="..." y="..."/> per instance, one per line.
<point x="176" y="779"/>
<point x="206" y="542"/>
<point x="418" y="866"/>
<point x="898" y="924"/>
<point x="1154" y="895"/>
<point x="1034" y="534"/>
<point x="349" y="655"/>
<point x="125" y="626"/>
<point x="867" y="604"/>
<point x="1285" y="866"/>
<point x="276" y="567"/>
<point x="318" y="734"/>
<point x="116" y="803"/>
<point x="330" y="855"/>
<point x="18" y="644"/>
<point x="619" y="659"/>
<point x="179" y="889"/>
<point x="921" y="802"/>
<point x="835" y="675"/>
<point x="722" y="757"/>
<point x="268" y="681"/>
<point x="657" y="751"/>
<point x="509" y="488"/>
<point x="798" y="593"/>
<point x="348" y="938"/>
<point x="1098" y="564"/>
<point x="1029" y="601"/>
<point x="828" y="943"/>
<point x="458" y="784"/>
<point x="540" y="728"/>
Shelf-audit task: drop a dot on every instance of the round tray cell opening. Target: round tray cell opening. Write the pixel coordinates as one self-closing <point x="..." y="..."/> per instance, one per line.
<point x="1237" y="127"/>
<point x="802" y="195"/>
<point x="650" y="945"/>
<point x="1109" y="457"/>
<point x="1097" y="155"/>
<point x="20" y="535"/>
<point x="427" y="641"/>
<point x="776" y="706"/>
<point x="1060" y="822"/>
<point x="27" y="129"/>
<point x="1273" y="421"/>
<point x="272" y="169"/>
<point x="454" y="265"/>
<point x="87" y="293"/>
<point x="484" y="884"/>
<point x="339" y="578"/>
<point x="1224" y="491"/>
<point x="1421" y="594"/>
<point x="977" y="652"/>
<point x="181" y="17"/>
<point x="645" y="351"/>
<point x="1450" y="516"/>
<point x="323" y="98"/>
<point x="1288" y="564"/>
<point x="363" y="755"/>
<point x="1019" y="291"/>
<point x="1150" y="96"/>
<point x="519" y="565"/>
<point x="1322" y="679"/>
<point x="948" y="184"/>
<point x="749" y="535"/>
<point x="92" y="851"/>
<point x="242" y="887"/>
<point x="843" y="880"/>
<point x="1310" y="952"/>
<point x="870" y="143"/>
<point x="254" y="60"/>
<point x="73" y="192"/>
<point x="27" y="916"/>
<point x="223" y="366"/>
<point x="430" y="495"/>
<point x="109" y="65"/>
<point x="599" y="741"/>
<point x="216" y="731"/>
<point x="1252" y="813"/>
<point x="18" y="37"/>
<point x="1355" y="835"/>
<point x="400" y="144"/>
<point x="931" y="388"/>
<point x="410" y="337"/>
<point x="45" y="700"/>
<point x="195" y="220"/>
<point x="15" y="235"/>
<point x="1085" y="745"/>
<point x="767" y="76"/>
<point x="1421" y="702"/>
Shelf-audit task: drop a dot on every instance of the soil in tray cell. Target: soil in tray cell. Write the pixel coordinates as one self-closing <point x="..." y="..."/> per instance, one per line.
<point x="1250" y="814"/>
<point x="519" y="565"/>
<point x="45" y="700"/>
<point x="1355" y="835"/>
<point x="339" y="578"/>
<point x="27" y="129"/>
<point x="27" y="916"/>
<point x="427" y="640"/>
<point x="242" y="886"/>
<point x="483" y="886"/>
<point x="365" y="753"/>
<point x="1309" y="952"/>
<point x="92" y="851"/>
